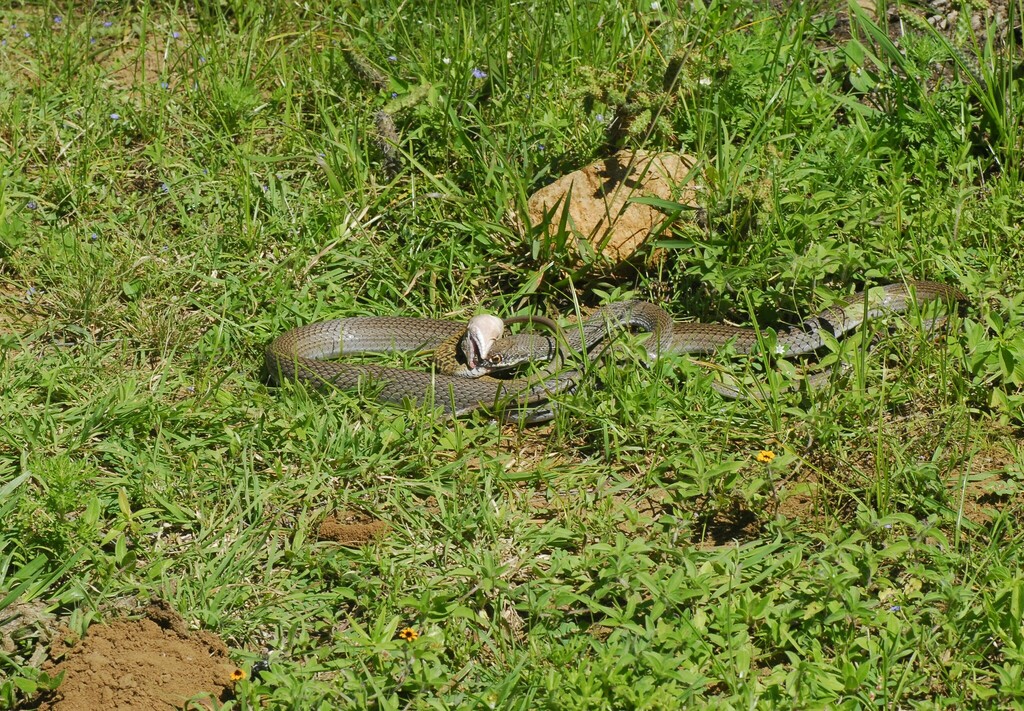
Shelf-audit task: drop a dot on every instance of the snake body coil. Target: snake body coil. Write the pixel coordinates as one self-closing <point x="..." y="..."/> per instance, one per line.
<point x="301" y="353"/>
<point x="669" y="336"/>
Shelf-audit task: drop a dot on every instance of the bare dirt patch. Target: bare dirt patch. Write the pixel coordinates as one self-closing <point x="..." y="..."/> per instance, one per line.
<point x="988" y="485"/>
<point x="799" y="503"/>
<point x="594" y="201"/>
<point x="148" y="664"/>
<point x="726" y="527"/>
<point x="351" y="529"/>
<point x="127" y="66"/>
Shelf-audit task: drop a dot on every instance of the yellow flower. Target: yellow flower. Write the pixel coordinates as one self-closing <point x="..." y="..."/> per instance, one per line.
<point x="237" y="675"/>
<point x="408" y="634"/>
<point x="765" y="456"/>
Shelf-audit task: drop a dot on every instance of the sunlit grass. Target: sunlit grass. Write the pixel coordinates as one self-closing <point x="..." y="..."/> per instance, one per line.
<point x="176" y="189"/>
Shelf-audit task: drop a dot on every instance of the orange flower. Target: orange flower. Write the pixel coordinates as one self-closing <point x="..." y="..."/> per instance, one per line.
<point x="408" y="634"/>
<point x="765" y="456"/>
<point x="237" y="675"/>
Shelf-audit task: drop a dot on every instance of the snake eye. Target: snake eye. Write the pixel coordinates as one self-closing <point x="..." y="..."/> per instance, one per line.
<point x="494" y="360"/>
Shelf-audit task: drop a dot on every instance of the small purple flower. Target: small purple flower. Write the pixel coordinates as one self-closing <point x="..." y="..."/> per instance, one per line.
<point x="32" y="205"/>
<point x="164" y="85"/>
<point x="27" y="33"/>
<point x="392" y="58"/>
<point x="599" y="118"/>
<point x="202" y="60"/>
<point x="115" y="117"/>
<point x="30" y="292"/>
<point x="264" y="188"/>
<point x="539" y="147"/>
<point x="479" y="73"/>
<point x="58" y="19"/>
<point x="165" y="188"/>
<point x="108" y="23"/>
<point x="93" y="237"/>
<point x="895" y="608"/>
<point x="176" y="35"/>
<point x="3" y="42"/>
<point x="92" y="40"/>
<point x="394" y="94"/>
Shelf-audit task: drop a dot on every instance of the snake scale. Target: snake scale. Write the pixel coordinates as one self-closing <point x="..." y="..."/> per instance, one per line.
<point x="302" y="353"/>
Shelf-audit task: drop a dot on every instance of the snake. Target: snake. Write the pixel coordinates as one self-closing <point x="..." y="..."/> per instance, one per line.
<point x="456" y="386"/>
<point x="472" y="357"/>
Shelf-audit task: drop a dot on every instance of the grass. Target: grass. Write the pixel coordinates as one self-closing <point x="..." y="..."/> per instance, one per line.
<point x="177" y="187"/>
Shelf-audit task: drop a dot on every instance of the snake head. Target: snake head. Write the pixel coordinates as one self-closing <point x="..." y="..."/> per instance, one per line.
<point x="481" y="333"/>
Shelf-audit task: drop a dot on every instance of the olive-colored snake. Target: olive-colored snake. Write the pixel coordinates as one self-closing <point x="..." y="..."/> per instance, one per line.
<point x="301" y="353"/>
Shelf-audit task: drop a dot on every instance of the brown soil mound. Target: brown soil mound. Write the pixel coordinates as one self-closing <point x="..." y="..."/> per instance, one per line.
<point x="351" y="529"/>
<point x="599" y="211"/>
<point x="154" y="663"/>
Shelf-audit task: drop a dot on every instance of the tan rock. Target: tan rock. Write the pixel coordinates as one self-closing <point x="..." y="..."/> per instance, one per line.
<point x="599" y="212"/>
